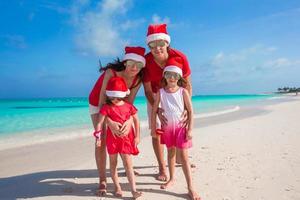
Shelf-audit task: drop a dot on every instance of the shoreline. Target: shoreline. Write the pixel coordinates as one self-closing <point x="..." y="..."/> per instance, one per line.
<point x="249" y="154"/>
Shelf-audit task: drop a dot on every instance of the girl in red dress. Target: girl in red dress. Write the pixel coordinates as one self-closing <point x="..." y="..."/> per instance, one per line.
<point x="119" y="111"/>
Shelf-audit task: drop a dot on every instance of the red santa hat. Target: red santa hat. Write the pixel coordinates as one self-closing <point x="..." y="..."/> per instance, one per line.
<point x="116" y="87"/>
<point x="158" y="32"/>
<point x="174" y="65"/>
<point x="135" y="53"/>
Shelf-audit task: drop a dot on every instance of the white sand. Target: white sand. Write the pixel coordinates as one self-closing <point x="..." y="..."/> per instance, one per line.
<point x="251" y="154"/>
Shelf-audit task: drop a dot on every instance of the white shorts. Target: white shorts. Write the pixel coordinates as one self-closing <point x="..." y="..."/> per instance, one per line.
<point x="93" y="109"/>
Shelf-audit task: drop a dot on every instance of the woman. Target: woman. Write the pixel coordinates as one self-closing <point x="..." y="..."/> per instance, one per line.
<point x="130" y="69"/>
<point x="158" y="41"/>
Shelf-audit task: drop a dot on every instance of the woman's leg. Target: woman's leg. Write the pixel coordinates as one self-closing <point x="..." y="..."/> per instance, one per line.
<point x="100" y="157"/>
<point x="171" y="163"/>
<point x="127" y="162"/>
<point x="113" y="161"/>
<point x="183" y="153"/>
<point x="159" y="153"/>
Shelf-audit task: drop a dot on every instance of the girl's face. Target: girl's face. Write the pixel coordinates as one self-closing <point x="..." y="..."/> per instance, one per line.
<point x="133" y="67"/>
<point x="172" y="78"/>
<point x="159" y="49"/>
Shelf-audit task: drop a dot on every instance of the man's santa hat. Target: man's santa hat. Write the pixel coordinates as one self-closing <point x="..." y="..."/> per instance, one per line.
<point x="158" y="32"/>
<point x="174" y="65"/>
<point x="116" y="87"/>
<point x="135" y="53"/>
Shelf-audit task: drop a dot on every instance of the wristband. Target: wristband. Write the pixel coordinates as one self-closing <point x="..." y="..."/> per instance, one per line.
<point x="97" y="134"/>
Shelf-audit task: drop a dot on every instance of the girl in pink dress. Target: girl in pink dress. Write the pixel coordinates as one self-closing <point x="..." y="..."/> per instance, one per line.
<point x="119" y="111"/>
<point x="174" y="99"/>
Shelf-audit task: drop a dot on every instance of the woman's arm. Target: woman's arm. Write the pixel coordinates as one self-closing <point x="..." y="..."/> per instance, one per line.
<point x="189" y="85"/>
<point x="133" y="93"/>
<point x="148" y="92"/>
<point x="102" y="96"/>
<point x="154" y="114"/>
<point x="188" y="105"/>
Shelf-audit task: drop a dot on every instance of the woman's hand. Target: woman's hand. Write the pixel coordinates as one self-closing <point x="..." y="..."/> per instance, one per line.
<point x="184" y="119"/>
<point x="162" y="118"/>
<point x="114" y="126"/>
<point x="125" y="128"/>
<point x="153" y="133"/>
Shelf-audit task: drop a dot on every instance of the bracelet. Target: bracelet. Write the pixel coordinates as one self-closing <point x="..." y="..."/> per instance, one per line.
<point x="97" y="134"/>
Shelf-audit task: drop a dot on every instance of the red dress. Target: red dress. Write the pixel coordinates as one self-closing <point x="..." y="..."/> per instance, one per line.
<point x="122" y="113"/>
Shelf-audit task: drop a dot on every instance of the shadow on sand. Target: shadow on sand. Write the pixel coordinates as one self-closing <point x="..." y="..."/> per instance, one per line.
<point x="66" y="183"/>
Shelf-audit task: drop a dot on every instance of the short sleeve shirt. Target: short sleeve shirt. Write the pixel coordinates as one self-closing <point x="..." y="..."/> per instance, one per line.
<point x="153" y="72"/>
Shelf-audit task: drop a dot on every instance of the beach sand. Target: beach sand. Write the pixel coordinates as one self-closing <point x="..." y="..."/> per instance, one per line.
<point x="251" y="154"/>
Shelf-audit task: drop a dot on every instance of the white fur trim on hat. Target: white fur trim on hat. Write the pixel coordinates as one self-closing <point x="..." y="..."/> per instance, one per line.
<point x="158" y="36"/>
<point x="118" y="94"/>
<point x="135" y="57"/>
<point x="173" y="68"/>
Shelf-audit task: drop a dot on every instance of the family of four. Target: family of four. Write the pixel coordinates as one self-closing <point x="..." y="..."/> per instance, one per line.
<point x="165" y="75"/>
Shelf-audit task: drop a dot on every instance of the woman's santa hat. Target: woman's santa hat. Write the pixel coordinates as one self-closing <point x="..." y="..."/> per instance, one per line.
<point x="135" y="53"/>
<point x="116" y="87"/>
<point x="174" y="65"/>
<point x="158" y="32"/>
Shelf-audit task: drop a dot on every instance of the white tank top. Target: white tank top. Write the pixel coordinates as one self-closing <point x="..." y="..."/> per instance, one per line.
<point x="172" y="103"/>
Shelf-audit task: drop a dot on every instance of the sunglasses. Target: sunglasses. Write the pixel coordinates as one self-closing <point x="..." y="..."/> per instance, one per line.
<point x="131" y="63"/>
<point x="159" y="43"/>
<point x="169" y="75"/>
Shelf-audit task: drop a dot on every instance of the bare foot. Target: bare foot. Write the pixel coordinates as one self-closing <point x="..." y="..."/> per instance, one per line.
<point x="136" y="194"/>
<point x="194" y="195"/>
<point x="101" y="191"/>
<point x="167" y="184"/>
<point x="136" y="173"/>
<point x="118" y="193"/>
<point x="161" y="177"/>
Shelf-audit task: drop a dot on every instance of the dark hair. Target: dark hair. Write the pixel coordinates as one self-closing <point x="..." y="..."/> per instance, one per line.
<point x="181" y="82"/>
<point x="119" y="66"/>
<point x="108" y="101"/>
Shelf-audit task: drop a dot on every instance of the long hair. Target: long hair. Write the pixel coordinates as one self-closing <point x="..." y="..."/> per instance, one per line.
<point x="181" y="82"/>
<point x="119" y="66"/>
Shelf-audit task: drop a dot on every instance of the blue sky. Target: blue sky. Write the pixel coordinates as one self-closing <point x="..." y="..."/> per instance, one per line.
<point x="51" y="48"/>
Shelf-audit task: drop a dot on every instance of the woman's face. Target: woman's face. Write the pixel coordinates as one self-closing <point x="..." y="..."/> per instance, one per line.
<point x="159" y="49"/>
<point x="133" y="67"/>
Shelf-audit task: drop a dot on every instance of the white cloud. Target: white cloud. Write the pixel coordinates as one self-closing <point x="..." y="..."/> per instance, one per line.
<point x="156" y="19"/>
<point x="99" y="30"/>
<point x="281" y="63"/>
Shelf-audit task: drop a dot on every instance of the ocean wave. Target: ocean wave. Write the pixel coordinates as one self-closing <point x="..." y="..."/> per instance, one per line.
<point x="217" y="113"/>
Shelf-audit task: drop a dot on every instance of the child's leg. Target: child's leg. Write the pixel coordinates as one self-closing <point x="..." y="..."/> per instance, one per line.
<point x="183" y="153"/>
<point x="171" y="163"/>
<point x="113" y="160"/>
<point x="127" y="162"/>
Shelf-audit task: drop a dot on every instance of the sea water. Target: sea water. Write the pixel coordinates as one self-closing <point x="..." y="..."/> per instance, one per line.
<point x="19" y="116"/>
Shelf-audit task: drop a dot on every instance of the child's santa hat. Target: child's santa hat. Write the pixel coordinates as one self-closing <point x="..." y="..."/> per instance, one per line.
<point x="116" y="87"/>
<point x="174" y="65"/>
<point x="135" y="53"/>
<point x="158" y="32"/>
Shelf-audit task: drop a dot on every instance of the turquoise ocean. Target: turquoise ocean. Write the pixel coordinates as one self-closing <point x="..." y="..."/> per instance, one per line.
<point x="30" y="118"/>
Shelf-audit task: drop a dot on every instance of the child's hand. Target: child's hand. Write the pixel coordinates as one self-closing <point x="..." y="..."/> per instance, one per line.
<point x="98" y="142"/>
<point x="136" y="141"/>
<point x="189" y="135"/>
